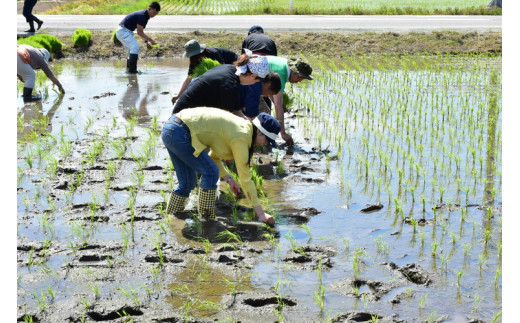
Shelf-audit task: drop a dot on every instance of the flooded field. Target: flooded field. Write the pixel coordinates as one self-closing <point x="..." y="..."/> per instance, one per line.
<point x="388" y="207"/>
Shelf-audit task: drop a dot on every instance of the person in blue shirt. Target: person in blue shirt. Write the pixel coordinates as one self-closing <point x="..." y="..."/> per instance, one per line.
<point x="252" y="97"/>
<point x="125" y="33"/>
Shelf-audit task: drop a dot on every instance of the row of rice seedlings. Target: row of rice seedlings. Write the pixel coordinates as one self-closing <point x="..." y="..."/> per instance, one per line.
<point x="314" y="7"/>
<point x="413" y="133"/>
<point x="452" y="164"/>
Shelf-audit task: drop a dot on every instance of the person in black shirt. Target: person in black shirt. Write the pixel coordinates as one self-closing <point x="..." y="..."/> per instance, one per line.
<point x="259" y="43"/>
<point x="220" y="86"/>
<point x="196" y="52"/>
<point x="125" y="33"/>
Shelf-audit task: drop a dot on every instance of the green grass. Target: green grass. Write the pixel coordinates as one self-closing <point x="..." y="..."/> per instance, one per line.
<point x="344" y="7"/>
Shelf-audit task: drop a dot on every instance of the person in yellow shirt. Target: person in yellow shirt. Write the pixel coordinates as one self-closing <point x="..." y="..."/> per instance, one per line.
<point x="197" y="140"/>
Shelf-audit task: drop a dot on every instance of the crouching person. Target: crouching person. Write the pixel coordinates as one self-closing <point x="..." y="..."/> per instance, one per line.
<point x="197" y="140"/>
<point x="28" y="60"/>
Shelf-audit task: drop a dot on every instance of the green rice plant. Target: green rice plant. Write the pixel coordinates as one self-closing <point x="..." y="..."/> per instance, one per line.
<point x="307" y="229"/>
<point x="229" y="236"/>
<point x="279" y="168"/>
<point x="434" y="248"/>
<point x="496" y="317"/>
<point x="157" y="243"/>
<point x="125" y="235"/>
<point x="95" y="289"/>
<point x="422" y="300"/>
<point x="459" y="276"/>
<point x="41" y="300"/>
<point x="357" y="260"/>
<point x="258" y="180"/>
<point x="498" y="272"/>
<point x="81" y="37"/>
<point x="278" y="310"/>
<point x="205" y="65"/>
<point x="476" y="302"/>
<point x="115" y="40"/>
<point x="382" y="246"/>
<point x="131" y="294"/>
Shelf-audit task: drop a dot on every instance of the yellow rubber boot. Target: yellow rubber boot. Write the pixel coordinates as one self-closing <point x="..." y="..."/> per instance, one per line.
<point x="207" y="203"/>
<point x="176" y="204"/>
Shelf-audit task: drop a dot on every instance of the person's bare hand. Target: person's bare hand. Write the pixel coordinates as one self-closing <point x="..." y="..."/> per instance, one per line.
<point x="235" y="188"/>
<point x="288" y="139"/>
<point x="266" y="218"/>
<point x="174" y="98"/>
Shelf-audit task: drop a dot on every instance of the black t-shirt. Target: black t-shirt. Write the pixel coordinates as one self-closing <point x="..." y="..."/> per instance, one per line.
<point x="221" y="55"/>
<point x="261" y="43"/>
<point x="135" y="18"/>
<point x="217" y="88"/>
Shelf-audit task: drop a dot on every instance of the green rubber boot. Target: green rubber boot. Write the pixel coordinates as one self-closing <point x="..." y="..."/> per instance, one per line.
<point x="176" y="204"/>
<point x="207" y="203"/>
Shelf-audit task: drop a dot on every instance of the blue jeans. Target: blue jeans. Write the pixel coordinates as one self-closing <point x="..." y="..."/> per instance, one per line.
<point x="177" y="139"/>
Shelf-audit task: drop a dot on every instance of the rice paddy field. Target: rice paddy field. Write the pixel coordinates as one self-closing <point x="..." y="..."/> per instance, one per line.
<point x="388" y="208"/>
<point x="221" y="7"/>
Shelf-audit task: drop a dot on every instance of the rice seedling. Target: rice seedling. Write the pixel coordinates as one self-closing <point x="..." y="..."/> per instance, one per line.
<point x="95" y="289"/>
<point x="459" y="276"/>
<point x="422" y="300"/>
<point x="476" y="302"/>
<point x="382" y="246"/>
<point x="228" y="236"/>
<point x="131" y="294"/>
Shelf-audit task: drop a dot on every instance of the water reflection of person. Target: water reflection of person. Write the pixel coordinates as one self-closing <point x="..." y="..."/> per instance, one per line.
<point x="34" y="111"/>
<point x="128" y="103"/>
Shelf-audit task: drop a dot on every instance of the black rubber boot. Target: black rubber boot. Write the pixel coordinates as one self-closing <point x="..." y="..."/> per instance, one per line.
<point x="28" y="96"/>
<point x="131" y="64"/>
<point x="40" y="23"/>
<point x="31" y="29"/>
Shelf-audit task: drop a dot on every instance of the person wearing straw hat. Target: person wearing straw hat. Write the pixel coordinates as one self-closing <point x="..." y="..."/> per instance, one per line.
<point x="293" y="71"/>
<point x="196" y="52"/>
<point x="125" y="33"/>
<point x="198" y="139"/>
<point x="28" y="60"/>
<point x="220" y="86"/>
<point x="258" y="42"/>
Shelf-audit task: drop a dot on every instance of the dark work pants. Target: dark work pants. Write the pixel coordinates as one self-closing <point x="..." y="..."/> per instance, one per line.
<point x="28" y="6"/>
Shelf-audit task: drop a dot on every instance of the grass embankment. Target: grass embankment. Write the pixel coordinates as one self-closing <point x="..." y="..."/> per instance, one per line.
<point x="332" y="45"/>
<point x="281" y="7"/>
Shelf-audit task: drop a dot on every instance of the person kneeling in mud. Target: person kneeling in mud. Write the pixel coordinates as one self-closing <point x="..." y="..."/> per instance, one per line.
<point x="197" y="140"/>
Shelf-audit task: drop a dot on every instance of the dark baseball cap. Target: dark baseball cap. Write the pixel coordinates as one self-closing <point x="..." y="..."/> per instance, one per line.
<point x="269" y="126"/>
<point x="256" y="27"/>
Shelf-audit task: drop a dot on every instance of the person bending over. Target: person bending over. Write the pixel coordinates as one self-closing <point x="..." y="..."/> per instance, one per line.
<point x="28" y="60"/>
<point x="198" y="139"/>
<point x="125" y="33"/>
<point x="196" y="52"/>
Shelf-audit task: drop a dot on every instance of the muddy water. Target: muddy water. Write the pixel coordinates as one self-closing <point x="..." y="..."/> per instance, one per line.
<point x="104" y="249"/>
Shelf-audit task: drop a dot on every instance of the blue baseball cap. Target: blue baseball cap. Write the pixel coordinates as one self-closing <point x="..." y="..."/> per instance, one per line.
<point x="256" y="27"/>
<point x="269" y="126"/>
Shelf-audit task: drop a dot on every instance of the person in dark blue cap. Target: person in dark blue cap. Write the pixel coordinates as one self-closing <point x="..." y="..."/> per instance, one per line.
<point x="258" y="42"/>
<point x="198" y="139"/>
<point x="125" y="33"/>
